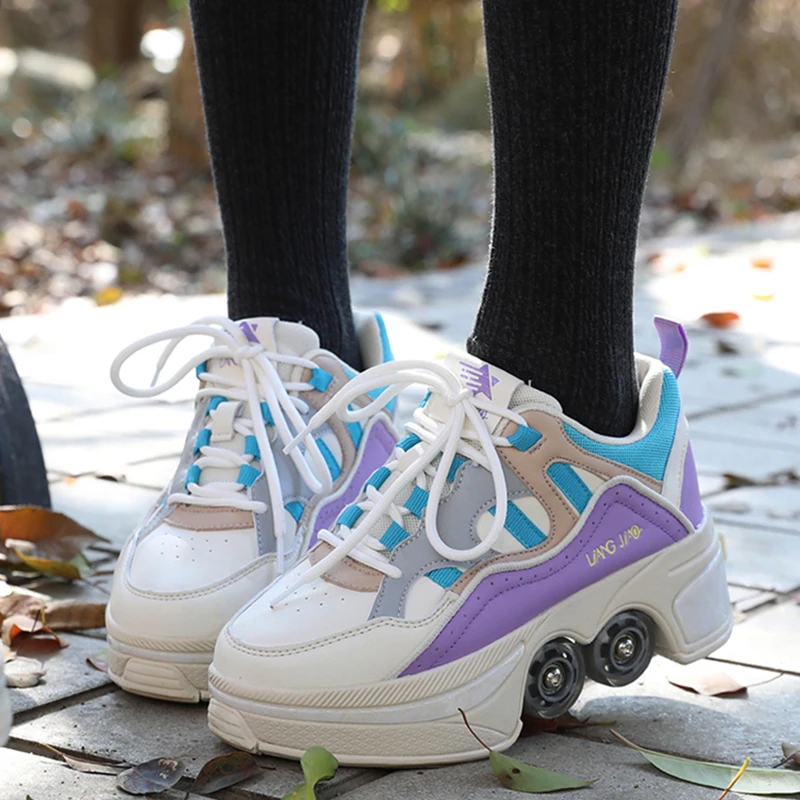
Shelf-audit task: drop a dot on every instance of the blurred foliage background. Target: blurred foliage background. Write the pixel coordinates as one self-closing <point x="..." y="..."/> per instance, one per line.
<point x="106" y="187"/>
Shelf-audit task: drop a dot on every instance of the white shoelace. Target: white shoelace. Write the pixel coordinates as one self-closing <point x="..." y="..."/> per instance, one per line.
<point x="260" y="381"/>
<point x="463" y="433"/>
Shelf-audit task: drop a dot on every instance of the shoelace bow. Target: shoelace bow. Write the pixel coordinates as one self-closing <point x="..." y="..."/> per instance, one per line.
<point x="260" y="383"/>
<point x="463" y="433"/>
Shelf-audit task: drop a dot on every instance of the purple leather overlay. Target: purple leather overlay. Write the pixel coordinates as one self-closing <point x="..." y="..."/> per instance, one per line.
<point x="674" y="343"/>
<point x="377" y="448"/>
<point x="623" y="527"/>
<point x="691" y="504"/>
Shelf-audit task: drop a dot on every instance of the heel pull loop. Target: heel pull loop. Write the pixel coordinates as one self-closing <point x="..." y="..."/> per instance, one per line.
<point x="674" y="343"/>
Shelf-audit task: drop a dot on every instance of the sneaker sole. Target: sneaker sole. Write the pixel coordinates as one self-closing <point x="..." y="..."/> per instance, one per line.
<point x="415" y="721"/>
<point x="180" y="677"/>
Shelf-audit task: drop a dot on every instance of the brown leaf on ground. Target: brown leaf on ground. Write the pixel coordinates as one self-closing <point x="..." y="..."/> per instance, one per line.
<point x="151" y="777"/>
<point x="99" y="660"/>
<point x="721" y="319"/>
<point x="59" y="615"/>
<point x="56" y="536"/>
<point x="531" y="726"/>
<point x="27" y="604"/>
<point x="74" y="569"/>
<point x="791" y="753"/>
<point x="99" y="767"/>
<point x="74" y="615"/>
<point x="224" y="771"/>
<point x="708" y="682"/>
<point x="26" y="636"/>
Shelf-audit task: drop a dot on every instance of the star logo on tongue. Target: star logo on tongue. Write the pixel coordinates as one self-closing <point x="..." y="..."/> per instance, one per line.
<point x="478" y="379"/>
<point x="249" y="331"/>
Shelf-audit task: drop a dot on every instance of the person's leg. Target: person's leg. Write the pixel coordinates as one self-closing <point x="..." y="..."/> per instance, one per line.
<point x="576" y="92"/>
<point x="279" y="83"/>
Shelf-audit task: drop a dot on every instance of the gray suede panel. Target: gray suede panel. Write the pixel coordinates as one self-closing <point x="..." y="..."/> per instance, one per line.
<point x="472" y="494"/>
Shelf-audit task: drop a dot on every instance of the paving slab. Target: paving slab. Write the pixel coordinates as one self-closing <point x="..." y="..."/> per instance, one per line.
<point x="756" y="462"/>
<point x="152" y="474"/>
<point x="67" y="674"/>
<point x="80" y="446"/>
<point x="711" y="484"/>
<point x="134" y="729"/>
<point x="621" y="775"/>
<point x="711" y="383"/>
<point x="24" y="775"/>
<point x="147" y="419"/>
<point x="49" y="402"/>
<point x="761" y="559"/>
<point x="768" y="638"/>
<point x="39" y="343"/>
<point x="109" y="508"/>
<point x="771" y="424"/>
<point x="775" y="507"/>
<point x="653" y="713"/>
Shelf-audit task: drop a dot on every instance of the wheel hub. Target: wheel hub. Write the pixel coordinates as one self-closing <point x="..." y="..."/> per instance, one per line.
<point x="553" y="679"/>
<point x="624" y="648"/>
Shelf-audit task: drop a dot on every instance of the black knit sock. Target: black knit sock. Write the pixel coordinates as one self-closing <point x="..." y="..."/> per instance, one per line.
<point x="278" y="80"/>
<point x="576" y="92"/>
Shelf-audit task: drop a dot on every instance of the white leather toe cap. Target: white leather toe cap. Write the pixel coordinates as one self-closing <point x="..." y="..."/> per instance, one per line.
<point x="184" y="609"/>
<point x="262" y="646"/>
<point x="172" y="559"/>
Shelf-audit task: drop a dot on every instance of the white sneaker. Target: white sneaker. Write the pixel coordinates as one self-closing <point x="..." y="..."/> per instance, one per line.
<point x="502" y="554"/>
<point x="239" y="511"/>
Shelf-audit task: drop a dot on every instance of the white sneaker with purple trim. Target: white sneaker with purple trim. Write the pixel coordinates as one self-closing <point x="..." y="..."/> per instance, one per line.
<point x="502" y="554"/>
<point x="239" y="511"/>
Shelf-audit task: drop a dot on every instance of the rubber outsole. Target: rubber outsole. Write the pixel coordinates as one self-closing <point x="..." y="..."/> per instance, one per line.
<point x="683" y="589"/>
<point x="182" y="682"/>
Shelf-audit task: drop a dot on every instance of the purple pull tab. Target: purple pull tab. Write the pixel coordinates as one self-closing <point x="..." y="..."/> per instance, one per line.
<point x="674" y="343"/>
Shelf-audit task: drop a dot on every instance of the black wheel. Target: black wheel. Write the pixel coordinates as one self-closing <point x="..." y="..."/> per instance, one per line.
<point x="622" y="650"/>
<point x="555" y="679"/>
<point x="23" y="478"/>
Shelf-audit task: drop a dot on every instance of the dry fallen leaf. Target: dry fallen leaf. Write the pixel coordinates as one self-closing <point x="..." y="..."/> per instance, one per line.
<point x="58" y="615"/>
<point x="224" y="771"/>
<point x="20" y="601"/>
<point x="709" y="682"/>
<point x="153" y="776"/>
<point x="721" y="319"/>
<point x="29" y="636"/>
<point x="56" y="536"/>
<point x="74" y="615"/>
<point x="99" y="767"/>
<point x="74" y="569"/>
<point x="531" y="726"/>
<point x="99" y="660"/>
<point x="791" y="752"/>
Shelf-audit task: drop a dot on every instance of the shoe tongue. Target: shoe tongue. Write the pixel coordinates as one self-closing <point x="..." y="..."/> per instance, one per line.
<point x="491" y="383"/>
<point x="277" y="336"/>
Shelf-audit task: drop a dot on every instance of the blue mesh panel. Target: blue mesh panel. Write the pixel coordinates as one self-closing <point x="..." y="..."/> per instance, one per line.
<point x="649" y="454"/>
